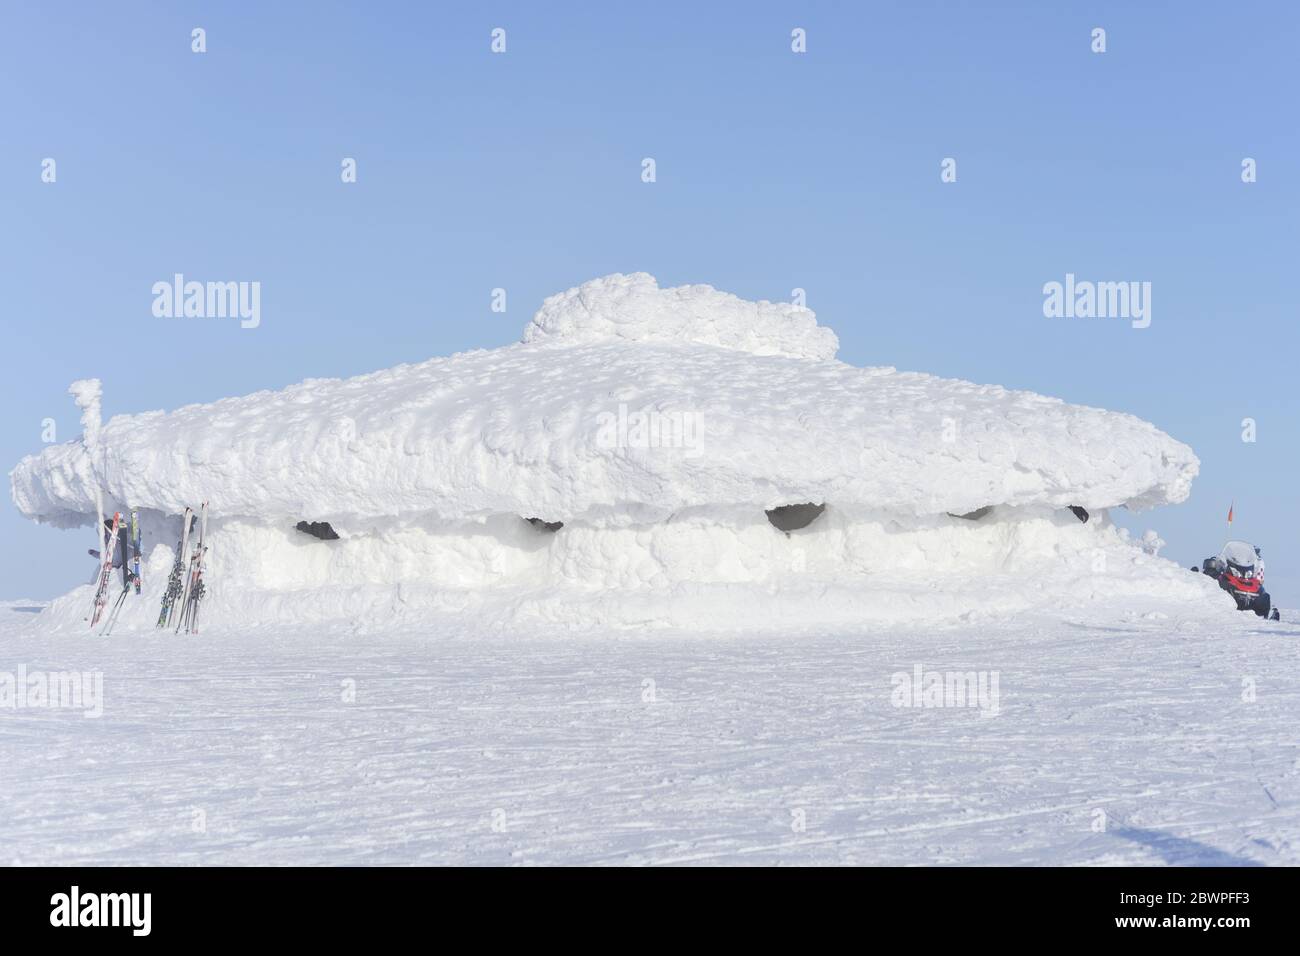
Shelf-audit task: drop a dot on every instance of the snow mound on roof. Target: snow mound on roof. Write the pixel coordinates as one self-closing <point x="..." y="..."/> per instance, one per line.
<point x="632" y="308"/>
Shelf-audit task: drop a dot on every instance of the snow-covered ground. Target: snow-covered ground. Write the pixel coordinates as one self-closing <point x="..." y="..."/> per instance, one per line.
<point x="1118" y="738"/>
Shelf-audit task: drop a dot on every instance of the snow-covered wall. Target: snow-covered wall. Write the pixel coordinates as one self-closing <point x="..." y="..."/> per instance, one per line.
<point x="657" y="425"/>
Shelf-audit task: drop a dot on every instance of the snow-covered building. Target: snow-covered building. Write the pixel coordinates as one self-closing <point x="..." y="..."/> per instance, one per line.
<point x="687" y="458"/>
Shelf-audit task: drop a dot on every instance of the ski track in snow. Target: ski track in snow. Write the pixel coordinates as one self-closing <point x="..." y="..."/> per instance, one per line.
<point x="1142" y="719"/>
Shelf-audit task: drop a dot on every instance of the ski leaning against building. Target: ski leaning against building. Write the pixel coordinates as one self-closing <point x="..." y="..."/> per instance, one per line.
<point x="127" y="542"/>
<point x="105" y="570"/>
<point x="192" y="592"/>
<point x="176" y="580"/>
<point x="798" y="490"/>
<point x="122" y="545"/>
<point x="185" y="588"/>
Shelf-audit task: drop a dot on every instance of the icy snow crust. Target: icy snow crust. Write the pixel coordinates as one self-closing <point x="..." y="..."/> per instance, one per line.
<point x="657" y="425"/>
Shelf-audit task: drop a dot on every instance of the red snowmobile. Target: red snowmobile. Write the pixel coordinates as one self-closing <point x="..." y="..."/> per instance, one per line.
<point x="1240" y="571"/>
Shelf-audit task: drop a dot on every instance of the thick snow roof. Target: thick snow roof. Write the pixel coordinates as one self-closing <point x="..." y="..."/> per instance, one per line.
<point x="624" y="401"/>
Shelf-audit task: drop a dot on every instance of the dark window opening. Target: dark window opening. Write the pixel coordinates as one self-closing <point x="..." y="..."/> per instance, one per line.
<point x="789" y="518"/>
<point x="318" y="529"/>
<point x="543" y="525"/>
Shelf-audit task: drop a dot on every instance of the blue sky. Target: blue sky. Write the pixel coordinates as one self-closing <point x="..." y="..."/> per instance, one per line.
<point x="774" y="171"/>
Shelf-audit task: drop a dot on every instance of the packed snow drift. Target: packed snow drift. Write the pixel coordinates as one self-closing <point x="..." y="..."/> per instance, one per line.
<point x="644" y="456"/>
